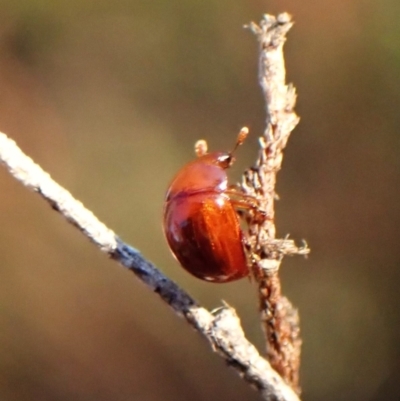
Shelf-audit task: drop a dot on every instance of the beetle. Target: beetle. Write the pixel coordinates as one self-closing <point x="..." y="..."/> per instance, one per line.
<point x="201" y="223"/>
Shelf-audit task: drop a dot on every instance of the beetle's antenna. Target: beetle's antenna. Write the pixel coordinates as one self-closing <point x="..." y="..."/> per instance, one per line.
<point x="240" y="139"/>
<point x="200" y="147"/>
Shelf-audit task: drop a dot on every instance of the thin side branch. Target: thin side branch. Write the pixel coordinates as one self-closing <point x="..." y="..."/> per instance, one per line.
<point x="280" y="319"/>
<point x="221" y="327"/>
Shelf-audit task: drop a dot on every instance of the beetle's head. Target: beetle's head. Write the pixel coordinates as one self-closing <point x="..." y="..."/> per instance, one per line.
<point x="221" y="159"/>
<point x="225" y="160"/>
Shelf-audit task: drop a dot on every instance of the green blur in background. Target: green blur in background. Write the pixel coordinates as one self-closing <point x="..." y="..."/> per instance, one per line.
<point x="109" y="97"/>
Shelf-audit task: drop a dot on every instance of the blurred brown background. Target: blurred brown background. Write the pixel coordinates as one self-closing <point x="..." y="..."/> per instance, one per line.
<point x="109" y="97"/>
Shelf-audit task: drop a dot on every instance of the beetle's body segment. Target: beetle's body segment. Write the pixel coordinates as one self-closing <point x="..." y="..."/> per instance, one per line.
<point x="205" y="174"/>
<point x="200" y="223"/>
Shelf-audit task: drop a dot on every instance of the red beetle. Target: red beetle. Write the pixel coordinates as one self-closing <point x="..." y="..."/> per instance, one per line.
<point x="200" y="221"/>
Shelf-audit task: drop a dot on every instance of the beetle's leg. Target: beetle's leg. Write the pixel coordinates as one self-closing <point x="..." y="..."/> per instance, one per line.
<point x="241" y="199"/>
<point x="245" y="202"/>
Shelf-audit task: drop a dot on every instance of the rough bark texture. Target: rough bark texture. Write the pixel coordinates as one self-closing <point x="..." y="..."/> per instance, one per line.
<point x="280" y="319"/>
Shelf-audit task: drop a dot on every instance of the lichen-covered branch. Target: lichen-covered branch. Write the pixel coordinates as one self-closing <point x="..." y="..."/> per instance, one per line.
<point x="221" y="327"/>
<point x="280" y="319"/>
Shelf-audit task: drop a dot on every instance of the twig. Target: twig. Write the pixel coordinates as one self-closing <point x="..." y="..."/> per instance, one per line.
<point x="221" y="327"/>
<point x="280" y="319"/>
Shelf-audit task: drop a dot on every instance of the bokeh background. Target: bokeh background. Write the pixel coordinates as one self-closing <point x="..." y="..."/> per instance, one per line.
<point x="109" y="97"/>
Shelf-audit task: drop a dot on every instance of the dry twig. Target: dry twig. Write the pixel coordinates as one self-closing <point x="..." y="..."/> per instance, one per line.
<point x="280" y="319"/>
